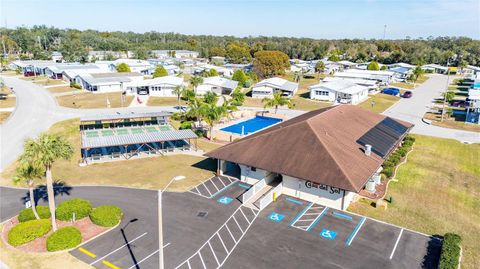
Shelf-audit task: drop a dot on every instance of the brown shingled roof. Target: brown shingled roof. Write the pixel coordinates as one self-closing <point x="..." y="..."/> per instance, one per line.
<point x="321" y="146"/>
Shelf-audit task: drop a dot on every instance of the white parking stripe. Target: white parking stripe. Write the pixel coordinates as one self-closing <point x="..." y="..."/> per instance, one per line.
<point x="396" y="243"/>
<point x="221" y="240"/>
<point x="245" y="216"/>
<point x="201" y="259"/>
<point x="226" y="226"/>
<point x="135" y="265"/>
<point x="207" y="189"/>
<point x="213" y="252"/>
<point x="110" y="253"/>
<point x="223" y="183"/>
<point x="239" y="227"/>
<point x="213" y="183"/>
<point x="188" y="263"/>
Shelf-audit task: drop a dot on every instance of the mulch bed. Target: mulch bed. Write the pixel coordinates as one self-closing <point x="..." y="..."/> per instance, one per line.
<point x="85" y="225"/>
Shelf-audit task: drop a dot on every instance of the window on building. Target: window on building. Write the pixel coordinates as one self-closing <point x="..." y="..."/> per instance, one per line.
<point x="324" y="93"/>
<point x="253" y="169"/>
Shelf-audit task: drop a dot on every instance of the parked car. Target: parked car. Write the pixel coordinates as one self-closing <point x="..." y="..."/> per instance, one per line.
<point x="391" y="91"/>
<point x="460" y="103"/>
<point x="407" y="94"/>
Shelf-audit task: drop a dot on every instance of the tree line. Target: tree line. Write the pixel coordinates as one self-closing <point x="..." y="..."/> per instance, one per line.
<point x="74" y="44"/>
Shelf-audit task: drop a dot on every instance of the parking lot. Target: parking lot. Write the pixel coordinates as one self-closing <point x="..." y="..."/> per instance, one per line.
<point x="202" y="232"/>
<point x="189" y="219"/>
<point x="328" y="238"/>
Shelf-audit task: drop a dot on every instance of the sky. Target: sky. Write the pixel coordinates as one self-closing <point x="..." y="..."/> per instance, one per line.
<point x="330" y="19"/>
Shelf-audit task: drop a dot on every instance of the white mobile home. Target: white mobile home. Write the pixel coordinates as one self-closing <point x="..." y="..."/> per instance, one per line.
<point x="217" y="85"/>
<point x="343" y="92"/>
<point x="267" y="87"/>
<point x="108" y="82"/>
<point x="372" y="85"/>
<point x="160" y="86"/>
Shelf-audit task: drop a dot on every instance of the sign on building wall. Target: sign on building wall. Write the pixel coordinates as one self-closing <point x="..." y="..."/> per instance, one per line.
<point x="324" y="187"/>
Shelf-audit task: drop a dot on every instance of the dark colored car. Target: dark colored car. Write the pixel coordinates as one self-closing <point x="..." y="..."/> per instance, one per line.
<point x="407" y="94"/>
<point x="391" y="91"/>
<point x="460" y="103"/>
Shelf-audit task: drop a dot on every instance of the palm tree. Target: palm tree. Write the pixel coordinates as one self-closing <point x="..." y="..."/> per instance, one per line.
<point x="44" y="151"/>
<point x="196" y="109"/>
<point x="28" y="171"/>
<point x="195" y="81"/>
<point x="213" y="114"/>
<point x="277" y="100"/>
<point x="178" y="91"/>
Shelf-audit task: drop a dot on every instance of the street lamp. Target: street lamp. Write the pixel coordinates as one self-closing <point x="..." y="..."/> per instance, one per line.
<point x="446" y="88"/>
<point x="160" y="220"/>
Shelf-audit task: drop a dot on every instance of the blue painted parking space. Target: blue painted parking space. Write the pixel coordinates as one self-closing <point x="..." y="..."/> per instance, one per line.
<point x="225" y="200"/>
<point x="330" y="235"/>
<point x="340" y="215"/>
<point x="355" y="231"/>
<point x="244" y="186"/>
<point x="276" y="217"/>
<point x="294" y="201"/>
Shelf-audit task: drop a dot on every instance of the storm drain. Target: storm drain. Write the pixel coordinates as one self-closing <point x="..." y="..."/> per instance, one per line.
<point x="202" y="214"/>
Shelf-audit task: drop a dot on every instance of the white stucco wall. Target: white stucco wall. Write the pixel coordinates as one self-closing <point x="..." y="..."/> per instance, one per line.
<point x="252" y="177"/>
<point x="330" y="97"/>
<point x="330" y="197"/>
<point x="109" y="88"/>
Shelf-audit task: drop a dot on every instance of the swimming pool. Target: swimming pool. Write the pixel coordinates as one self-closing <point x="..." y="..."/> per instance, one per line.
<point x="251" y="125"/>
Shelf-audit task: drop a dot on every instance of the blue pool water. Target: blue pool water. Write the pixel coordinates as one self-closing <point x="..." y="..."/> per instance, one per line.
<point x="251" y="125"/>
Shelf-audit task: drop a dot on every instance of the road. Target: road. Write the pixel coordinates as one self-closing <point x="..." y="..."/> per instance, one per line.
<point x="413" y="109"/>
<point x="35" y="112"/>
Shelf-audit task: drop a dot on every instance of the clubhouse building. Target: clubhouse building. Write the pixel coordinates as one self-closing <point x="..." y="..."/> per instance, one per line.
<point x="325" y="156"/>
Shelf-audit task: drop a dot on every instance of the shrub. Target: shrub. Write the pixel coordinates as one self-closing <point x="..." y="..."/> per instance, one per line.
<point x="388" y="171"/>
<point x="248" y="83"/>
<point x="27" y="213"/>
<point x="106" y="215"/>
<point x="450" y="251"/>
<point x="64" y="238"/>
<point x="199" y="133"/>
<point x="75" y="85"/>
<point x="186" y="125"/>
<point x="28" y="231"/>
<point x="80" y="207"/>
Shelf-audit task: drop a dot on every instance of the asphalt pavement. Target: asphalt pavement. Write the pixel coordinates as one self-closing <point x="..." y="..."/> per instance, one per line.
<point x="412" y="110"/>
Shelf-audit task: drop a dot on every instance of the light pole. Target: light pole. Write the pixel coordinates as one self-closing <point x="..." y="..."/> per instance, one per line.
<point x="446" y="88"/>
<point x="160" y="221"/>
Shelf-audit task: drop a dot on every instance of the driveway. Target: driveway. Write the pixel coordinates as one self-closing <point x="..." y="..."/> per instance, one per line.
<point x="413" y="109"/>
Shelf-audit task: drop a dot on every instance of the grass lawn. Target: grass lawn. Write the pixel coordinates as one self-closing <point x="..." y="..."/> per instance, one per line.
<point x="404" y="85"/>
<point x="253" y="102"/>
<point x="382" y="102"/>
<point x="305" y="104"/>
<point x="61" y="89"/>
<point x="207" y="145"/>
<point x="90" y="100"/>
<point x="451" y="122"/>
<point x="41" y="78"/>
<point x="4" y="116"/>
<point x="152" y="173"/>
<point x="164" y="101"/>
<point x="16" y="259"/>
<point x="9" y="102"/>
<point x="9" y="73"/>
<point x="49" y="82"/>
<point x="437" y="192"/>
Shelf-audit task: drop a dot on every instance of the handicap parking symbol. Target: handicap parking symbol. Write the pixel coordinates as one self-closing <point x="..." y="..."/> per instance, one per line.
<point x="276" y="217"/>
<point x="225" y="200"/>
<point x="330" y="235"/>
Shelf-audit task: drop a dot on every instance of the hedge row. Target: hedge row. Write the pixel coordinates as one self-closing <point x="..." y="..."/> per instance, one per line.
<point x="394" y="159"/>
<point x="27" y="213"/>
<point x="80" y="207"/>
<point x="28" y="231"/>
<point x="64" y="238"/>
<point x="450" y="251"/>
<point x="106" y="215"/>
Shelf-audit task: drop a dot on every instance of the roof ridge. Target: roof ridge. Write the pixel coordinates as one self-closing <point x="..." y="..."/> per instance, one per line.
<point x="332" y="156"/>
